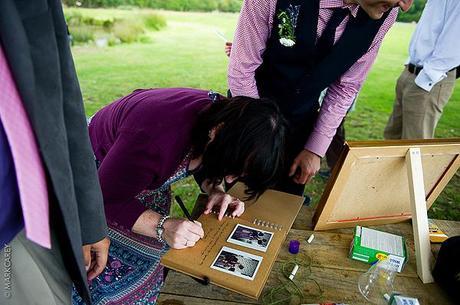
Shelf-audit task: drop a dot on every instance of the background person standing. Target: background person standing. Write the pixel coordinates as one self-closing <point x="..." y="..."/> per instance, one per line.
<point x="428" y="80"/>
<point x="290" y="51"/>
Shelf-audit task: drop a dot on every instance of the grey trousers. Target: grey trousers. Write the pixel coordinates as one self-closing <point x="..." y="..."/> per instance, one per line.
<point x="33" y="275"/>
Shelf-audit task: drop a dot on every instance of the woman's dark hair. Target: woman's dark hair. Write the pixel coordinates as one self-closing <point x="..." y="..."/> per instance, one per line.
<point x="249" y="142"/>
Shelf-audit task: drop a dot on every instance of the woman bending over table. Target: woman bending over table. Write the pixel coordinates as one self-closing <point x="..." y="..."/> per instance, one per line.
<point x="151" y="138"/>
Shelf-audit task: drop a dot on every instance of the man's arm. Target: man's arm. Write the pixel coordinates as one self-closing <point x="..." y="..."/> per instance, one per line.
<point x="341" y="94"/>
<point x="249" y="43"/>
<point x="93" y="226"/>
<point x="339" y="98"/>
<point x="86" y="185"/>
<point x="445" y="55"/>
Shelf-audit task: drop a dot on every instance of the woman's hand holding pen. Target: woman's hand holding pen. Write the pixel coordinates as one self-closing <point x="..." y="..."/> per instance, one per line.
<point x="180" y="233"/>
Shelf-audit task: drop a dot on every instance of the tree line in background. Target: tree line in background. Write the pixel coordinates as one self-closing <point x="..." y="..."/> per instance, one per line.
<point x="209" y="5"/>
<point x="232" y="6"/>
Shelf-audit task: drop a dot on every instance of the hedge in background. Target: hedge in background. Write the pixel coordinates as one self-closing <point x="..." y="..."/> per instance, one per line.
<point x="85" y="29"/>
<point x="173" y="5"/>
<point x="232" y="6"/>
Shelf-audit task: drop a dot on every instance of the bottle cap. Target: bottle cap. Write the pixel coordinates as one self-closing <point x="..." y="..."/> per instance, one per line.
<point x="294" y="246"/>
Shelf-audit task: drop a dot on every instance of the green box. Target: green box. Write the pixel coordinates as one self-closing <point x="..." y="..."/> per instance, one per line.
<point x="370" y="245"/>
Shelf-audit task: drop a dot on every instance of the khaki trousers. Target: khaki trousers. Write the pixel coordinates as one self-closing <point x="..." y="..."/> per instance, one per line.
<point x="32" y="274"/>
<point x="415" y="111"/>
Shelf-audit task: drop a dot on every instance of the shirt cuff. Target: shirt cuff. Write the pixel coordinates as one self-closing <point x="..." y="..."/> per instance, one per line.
<point x="248" y="93"/>
<point x="426" y="79"/>
<point x="318" y="143"/>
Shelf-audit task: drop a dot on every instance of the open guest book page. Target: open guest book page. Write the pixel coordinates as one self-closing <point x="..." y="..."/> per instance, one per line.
<point x="238" y="253"/>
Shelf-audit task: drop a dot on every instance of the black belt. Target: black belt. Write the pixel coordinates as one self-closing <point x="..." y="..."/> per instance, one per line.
<point x="416" y="69"/>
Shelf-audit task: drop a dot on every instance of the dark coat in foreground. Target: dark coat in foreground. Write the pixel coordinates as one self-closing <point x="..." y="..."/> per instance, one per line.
<point x="34" y="38"/>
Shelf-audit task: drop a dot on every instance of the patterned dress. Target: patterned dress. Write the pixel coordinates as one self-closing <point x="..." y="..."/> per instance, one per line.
<point x="133" y="274"/>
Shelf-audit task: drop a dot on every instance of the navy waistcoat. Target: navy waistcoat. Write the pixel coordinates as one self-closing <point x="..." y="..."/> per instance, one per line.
<point x="295" y="76"/>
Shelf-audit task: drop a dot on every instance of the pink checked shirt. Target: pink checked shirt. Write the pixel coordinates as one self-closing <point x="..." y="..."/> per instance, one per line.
<point x="252" y="32"/>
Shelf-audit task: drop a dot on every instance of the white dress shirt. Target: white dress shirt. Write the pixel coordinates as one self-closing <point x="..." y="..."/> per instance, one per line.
<point x="435" y="44"/>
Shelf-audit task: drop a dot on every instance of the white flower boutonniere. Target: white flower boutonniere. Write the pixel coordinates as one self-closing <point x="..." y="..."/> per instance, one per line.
<point x="287" y="42"/>
<point x="287" y="25"/>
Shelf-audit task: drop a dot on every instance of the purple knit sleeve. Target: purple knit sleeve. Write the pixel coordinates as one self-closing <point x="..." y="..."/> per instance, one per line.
<point x="131" y="165"/>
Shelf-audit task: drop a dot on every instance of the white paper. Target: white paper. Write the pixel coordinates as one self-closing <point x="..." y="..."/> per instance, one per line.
<point x="382" y="241"/>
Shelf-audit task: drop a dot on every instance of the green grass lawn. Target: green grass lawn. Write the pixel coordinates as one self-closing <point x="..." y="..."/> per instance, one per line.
<point x="187" y="53"/>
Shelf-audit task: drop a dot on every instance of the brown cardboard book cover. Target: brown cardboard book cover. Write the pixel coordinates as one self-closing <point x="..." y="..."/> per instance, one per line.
<point x="273" y="212"/>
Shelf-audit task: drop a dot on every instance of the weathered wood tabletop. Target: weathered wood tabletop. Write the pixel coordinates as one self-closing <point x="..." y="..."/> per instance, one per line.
<point x="336" y="274"/>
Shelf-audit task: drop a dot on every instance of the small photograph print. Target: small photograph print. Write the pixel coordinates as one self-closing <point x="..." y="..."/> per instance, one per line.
<point x="237" y="263"/>
<point x="250" y="237"/>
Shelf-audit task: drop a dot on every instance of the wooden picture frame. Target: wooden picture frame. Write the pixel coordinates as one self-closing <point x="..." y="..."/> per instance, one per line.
<point x="381" y="182"/>
<point x="369" y="184"/>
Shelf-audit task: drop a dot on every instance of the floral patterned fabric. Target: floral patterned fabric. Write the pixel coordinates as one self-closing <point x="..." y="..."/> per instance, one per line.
<point x="133" y="274"/>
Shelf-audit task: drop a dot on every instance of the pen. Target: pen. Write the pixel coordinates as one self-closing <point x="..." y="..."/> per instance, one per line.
<point x="184" y="209"/>
<point x="205" y="280"/>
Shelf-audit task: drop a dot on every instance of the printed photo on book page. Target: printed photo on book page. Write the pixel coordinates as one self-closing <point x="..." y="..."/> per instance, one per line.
<point x="237" y="263"/>
<point x="250" y="237"/>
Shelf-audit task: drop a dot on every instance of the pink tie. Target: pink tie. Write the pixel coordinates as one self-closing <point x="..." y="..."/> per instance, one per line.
<point x="27" y="162"/>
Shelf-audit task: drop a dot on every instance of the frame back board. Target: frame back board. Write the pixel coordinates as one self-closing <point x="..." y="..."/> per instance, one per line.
<point x="370" y="184"/>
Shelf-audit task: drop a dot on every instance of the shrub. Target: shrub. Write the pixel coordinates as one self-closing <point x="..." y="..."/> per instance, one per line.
<point x="145" y="39"/>
<point x="128" y="30"/>
<point x="154" y="22"/>
<point x="202" y="5"/>
<point x="174" y="5"/>
<point x="94" y="3"/>
<point x="74" y="18"/>
<point x="84" y="28"/>
<point x="81" y="34"/>
<point x="230" y="6"/>
<point x="414" y="13"/>
<point x="113" y="41"/>
<point x="108" y="24"/>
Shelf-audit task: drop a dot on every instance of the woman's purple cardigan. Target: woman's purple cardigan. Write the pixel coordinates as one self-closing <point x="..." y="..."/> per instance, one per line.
<point x="140" y="140"/>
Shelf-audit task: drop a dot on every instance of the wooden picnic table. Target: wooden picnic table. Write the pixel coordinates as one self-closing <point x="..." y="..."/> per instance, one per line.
<point x="335" y="273"/>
